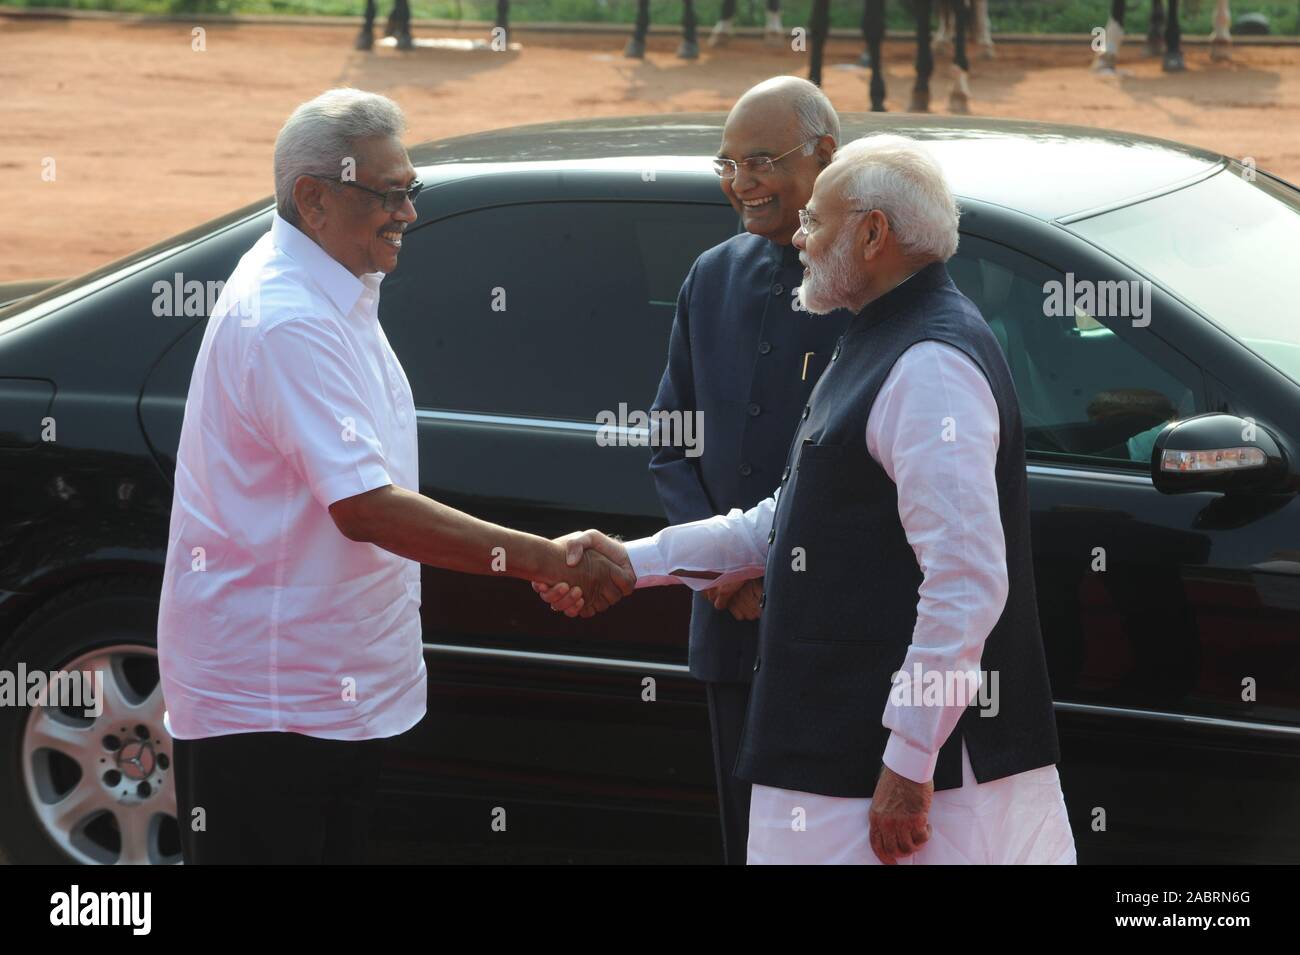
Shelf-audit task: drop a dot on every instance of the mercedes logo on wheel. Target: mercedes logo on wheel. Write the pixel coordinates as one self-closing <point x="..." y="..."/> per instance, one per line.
<point x="136" y="760"/>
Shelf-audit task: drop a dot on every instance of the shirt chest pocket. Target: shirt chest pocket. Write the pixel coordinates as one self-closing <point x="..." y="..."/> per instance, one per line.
<point x="399" y="392"/>
<point x="825" y="484"/>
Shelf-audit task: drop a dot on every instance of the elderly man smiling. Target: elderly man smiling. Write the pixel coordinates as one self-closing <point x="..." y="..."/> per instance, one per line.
<point x="896" y="549"/>
<point x="744" y="357"/>
<point x="289" y="628"/>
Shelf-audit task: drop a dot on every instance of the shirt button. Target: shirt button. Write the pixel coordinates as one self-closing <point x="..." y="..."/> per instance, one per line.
<point x="778" y="289"/>
<point x="746" y="470"/>
<point x="764" y="348"/>
<point x="754" y="410"/>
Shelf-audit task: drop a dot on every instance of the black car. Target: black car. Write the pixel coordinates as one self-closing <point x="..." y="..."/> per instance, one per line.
<point x="1172" y="620"/>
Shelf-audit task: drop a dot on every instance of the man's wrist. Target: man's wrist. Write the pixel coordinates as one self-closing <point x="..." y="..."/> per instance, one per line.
<point x="542" y="560"/>
<point x="644" y="558"/>
<point x="910" y="762"/>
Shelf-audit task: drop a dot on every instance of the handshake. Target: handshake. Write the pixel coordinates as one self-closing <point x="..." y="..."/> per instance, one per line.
<point x="597" y="574"/>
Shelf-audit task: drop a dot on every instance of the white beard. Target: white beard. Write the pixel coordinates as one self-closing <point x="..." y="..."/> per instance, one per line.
<point x="830" y="285"/>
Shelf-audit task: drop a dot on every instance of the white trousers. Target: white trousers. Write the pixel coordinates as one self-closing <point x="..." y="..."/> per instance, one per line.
<point x="1016" y="820"/>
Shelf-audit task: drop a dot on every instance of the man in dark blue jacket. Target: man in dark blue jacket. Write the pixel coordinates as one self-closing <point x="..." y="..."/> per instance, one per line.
<point x="746" y="357"/>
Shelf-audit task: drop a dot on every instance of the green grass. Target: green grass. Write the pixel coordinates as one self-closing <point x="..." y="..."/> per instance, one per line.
<point x="1009" y="16"/>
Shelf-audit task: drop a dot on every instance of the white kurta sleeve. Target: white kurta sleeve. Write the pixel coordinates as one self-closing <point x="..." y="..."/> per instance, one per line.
<point x="934" y="429"/>
<point x="706" y="553"/>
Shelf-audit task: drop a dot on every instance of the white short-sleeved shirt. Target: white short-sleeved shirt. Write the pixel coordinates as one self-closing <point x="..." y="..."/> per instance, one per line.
<point x="271" y="619"/>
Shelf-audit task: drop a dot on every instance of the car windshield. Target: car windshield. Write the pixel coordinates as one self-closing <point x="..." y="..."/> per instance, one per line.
<point x="1229" y="247"/>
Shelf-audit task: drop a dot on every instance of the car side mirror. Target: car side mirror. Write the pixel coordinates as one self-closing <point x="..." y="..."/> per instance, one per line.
<point x="1217" y="452"/>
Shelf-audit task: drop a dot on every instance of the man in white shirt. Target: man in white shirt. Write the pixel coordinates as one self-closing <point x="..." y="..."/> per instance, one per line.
<point x="901" y="709"/>
<point x="289" y="629"/>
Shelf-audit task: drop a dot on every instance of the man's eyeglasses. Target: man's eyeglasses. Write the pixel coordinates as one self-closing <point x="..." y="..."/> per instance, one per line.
<point x="393" y="198"/>
<point x="806" y="218"/>
<point x="756" y="165"/>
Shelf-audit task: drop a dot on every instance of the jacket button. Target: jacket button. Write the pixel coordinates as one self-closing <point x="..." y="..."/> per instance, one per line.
<point x="771" y="536"/>
<point x="836" y="353"/>
<point x="764" y="347"/>
<point x="754" y="410"/>
<point x="778" y="289"/>
<point x="762" y="599"/>
<point x="785" y="475"/>
<point x="757" y="661"/>
<point x="806" y="410"/>
<point x="746" y="470"/>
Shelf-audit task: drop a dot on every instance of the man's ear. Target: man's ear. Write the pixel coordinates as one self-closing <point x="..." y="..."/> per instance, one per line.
<point x="825" y="150"/>
<point x="877" y="230"/>
<point x="309" y="196"/>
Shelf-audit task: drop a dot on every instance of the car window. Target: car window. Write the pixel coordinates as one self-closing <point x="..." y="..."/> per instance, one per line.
<point x="1087" y="394"/>
<point x="555" y="310"/>
<point x="1228" y="245"/>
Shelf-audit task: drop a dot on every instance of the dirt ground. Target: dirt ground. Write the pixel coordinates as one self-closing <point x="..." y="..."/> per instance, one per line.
<point x="149" y="137"/>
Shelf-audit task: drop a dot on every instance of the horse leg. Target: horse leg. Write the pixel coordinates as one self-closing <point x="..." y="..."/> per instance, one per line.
<point x="722" y="29"/>
<point x="959" y="97"/>
<point x="1173" y="42"/>
<point x="874" y="20"/>
<point x="864" y="60"/>
<point x="401" y="24"/>
<point x="819" y="23"/>
<point x="924" y="60"/>
<point x="690" y="48"/>
<point x="366" y="35"/>
<point x="1109" y="56"/>
<point x="983" y="30"/>
<point x="1221" y="37"/>
<point x="636" y="46"/>
<point x="1156" y="29"/>
<point x="944" y="31"/>
<point x="773" y="32"/>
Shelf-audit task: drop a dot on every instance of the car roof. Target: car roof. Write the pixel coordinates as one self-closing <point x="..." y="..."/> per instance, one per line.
<point x="1046" y="170"/>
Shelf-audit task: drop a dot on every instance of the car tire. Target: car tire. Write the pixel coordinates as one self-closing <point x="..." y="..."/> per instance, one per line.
<point x="77" y="787"/>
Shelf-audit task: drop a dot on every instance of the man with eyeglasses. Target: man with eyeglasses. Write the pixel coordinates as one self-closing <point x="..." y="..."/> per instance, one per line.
<point x="901" y="708"/>
<point x="744" y="355"/>
<point x="289" y="637"/>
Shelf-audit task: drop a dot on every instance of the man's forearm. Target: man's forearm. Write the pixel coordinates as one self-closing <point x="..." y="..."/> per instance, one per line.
<point x="419" y="528"/>
<point x="704" y="554"/>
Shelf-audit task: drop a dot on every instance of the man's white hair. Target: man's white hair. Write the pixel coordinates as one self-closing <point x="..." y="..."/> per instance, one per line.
<point x="812" y="108"/>
<point x="323" y="132"/>
<point x="899" y="177"/>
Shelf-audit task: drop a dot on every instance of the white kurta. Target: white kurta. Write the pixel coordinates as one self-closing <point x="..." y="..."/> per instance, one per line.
<point x="934" y="430"/>
<point x="1016" y="820"/>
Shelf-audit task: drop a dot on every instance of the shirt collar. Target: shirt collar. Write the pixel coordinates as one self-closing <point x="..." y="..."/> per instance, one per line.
<point x="341" y="286"/>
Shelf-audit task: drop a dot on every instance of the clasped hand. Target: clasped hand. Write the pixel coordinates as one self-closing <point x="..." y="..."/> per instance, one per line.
<point x="598" y="575"/>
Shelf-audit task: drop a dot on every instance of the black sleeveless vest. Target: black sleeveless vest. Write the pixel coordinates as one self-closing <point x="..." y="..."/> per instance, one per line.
<point x="833" y="633"/>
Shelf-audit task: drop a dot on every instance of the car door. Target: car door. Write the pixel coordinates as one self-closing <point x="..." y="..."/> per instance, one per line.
<point x="1159" y="613"/>
<point x="519" y="325"/>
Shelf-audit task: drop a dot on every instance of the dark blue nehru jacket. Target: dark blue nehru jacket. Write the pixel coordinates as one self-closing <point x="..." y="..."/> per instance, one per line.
<point x="741" y="354"/>
<point x="837" y="624"/>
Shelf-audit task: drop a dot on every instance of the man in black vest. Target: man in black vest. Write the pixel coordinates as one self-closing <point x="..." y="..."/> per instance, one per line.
<point x="901" y="706"/>
<point x="744" y="356"/>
